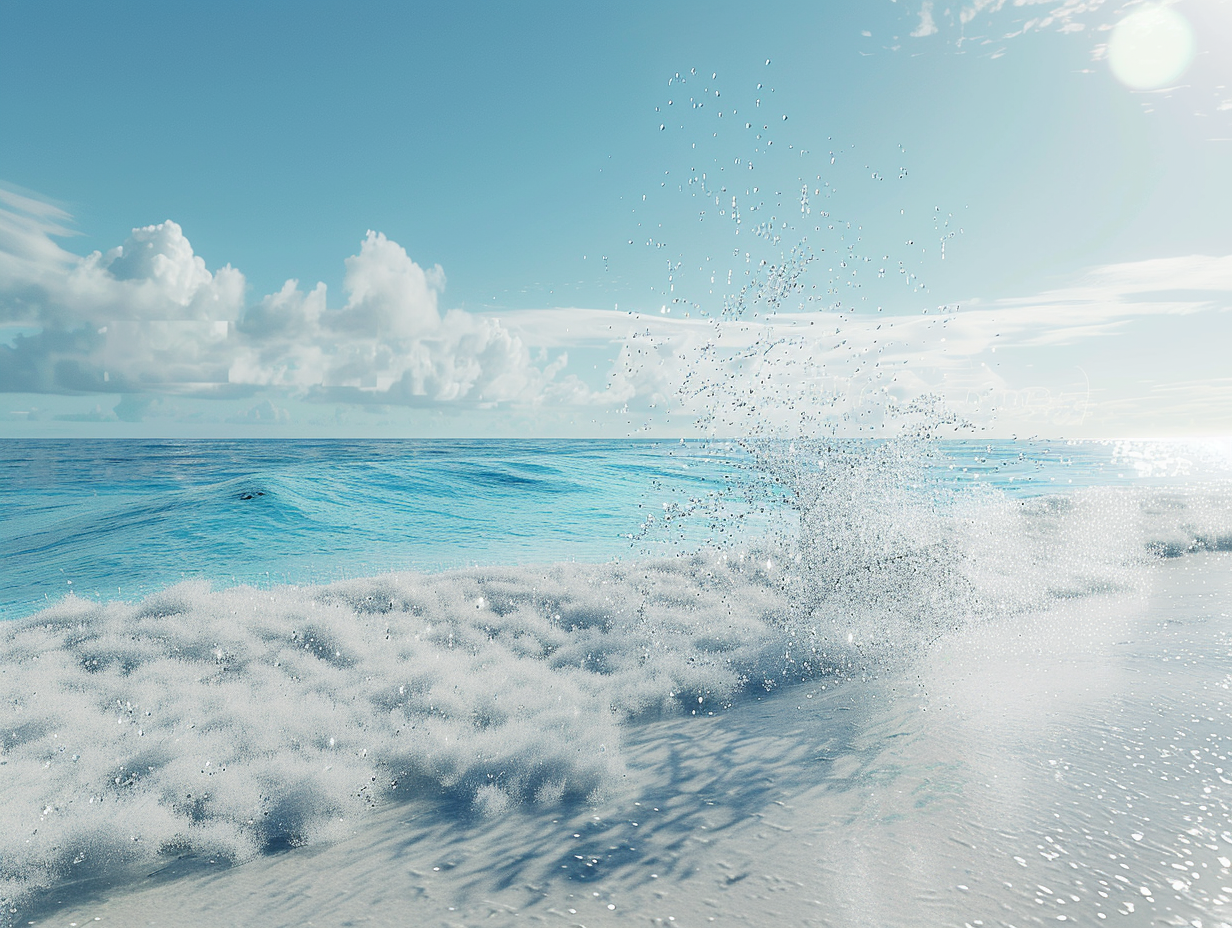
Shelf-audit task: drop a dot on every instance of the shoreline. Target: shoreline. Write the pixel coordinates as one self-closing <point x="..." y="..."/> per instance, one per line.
<point x="907" y="799"/>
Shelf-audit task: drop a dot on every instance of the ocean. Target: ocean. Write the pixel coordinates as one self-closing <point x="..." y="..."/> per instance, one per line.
<point x="833" y="682"/>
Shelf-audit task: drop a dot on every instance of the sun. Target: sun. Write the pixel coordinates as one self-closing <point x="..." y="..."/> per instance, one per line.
<point x="1151" y="47"/>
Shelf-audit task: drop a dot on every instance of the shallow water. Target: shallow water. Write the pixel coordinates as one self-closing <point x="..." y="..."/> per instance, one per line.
<point x="869" y="695"/>
<point x="121" y="519"/>
<point x="1063" y="766"/>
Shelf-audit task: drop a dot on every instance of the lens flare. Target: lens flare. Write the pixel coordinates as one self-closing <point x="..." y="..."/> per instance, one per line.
<point x="1151" y="48"/>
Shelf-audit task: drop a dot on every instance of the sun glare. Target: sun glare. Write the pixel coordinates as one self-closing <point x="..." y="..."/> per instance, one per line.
<point x="1151" y="48"/>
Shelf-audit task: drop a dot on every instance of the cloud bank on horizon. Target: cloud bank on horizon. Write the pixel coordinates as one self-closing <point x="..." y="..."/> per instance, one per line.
<point x="148" y="320"/>
<point x="149" y="317"/>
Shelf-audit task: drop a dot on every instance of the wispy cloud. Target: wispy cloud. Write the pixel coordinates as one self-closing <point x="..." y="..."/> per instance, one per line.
<point x="1100" y="356"/>
<point x="1060" y="14"/>
<point x="926" y="26"/>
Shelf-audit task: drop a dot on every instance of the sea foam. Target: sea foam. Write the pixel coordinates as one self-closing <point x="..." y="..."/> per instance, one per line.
<point x="228" y="722"/>
<point x="233" y="722"/>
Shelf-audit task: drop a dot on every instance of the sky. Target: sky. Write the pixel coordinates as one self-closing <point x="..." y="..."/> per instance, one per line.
<point x="615" y="220"/>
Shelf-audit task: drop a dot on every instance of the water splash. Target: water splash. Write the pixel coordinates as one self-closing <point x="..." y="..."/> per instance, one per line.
<point x="833" y="447"/>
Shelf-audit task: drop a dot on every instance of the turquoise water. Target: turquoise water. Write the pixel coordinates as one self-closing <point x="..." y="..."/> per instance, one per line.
<point x="120" y="519"/>
<point x="258" y="653"/>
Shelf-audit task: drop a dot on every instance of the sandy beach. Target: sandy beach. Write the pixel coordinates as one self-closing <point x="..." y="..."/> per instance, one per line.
<point x="1066" y="765"/>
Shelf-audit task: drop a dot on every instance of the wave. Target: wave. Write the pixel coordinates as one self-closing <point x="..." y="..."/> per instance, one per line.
<point x="103" y="531"/>
<point x="236" y="721"/>
<point x="228" y="722"/>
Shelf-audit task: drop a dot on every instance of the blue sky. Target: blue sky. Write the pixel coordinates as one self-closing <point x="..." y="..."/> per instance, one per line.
<point x="500" y="224"/>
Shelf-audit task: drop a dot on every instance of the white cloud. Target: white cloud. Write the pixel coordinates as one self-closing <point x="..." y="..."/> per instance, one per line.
<point x="926" y="26"/>
<point x="1064" y="15"/>
<point x="159" y="260"/>
<point x="149" y="317"/>
<point x="1119" y="351"/>
<point x="262" y="412"/>
<point x="389" y="293"/>
<point x="389" y="343"/>
<point x="1124" y="348"/>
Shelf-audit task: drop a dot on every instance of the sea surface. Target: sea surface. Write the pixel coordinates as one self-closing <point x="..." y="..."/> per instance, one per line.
<point x="587" y="682"/>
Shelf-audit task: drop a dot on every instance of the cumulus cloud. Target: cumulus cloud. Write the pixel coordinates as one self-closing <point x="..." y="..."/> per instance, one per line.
<point x="149" y="317"/>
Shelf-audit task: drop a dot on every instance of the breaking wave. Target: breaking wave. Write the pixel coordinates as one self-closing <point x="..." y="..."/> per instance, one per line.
<point x="232" y="722"/>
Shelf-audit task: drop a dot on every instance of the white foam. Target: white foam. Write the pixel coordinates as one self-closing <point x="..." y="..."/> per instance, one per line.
<point x="228" y="721"/>
<point x="225" y="722"/>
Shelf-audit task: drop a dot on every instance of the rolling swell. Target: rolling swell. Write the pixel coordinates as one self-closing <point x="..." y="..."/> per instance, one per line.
<point x="289" y="512"/>
<point x="141" y="541"/>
